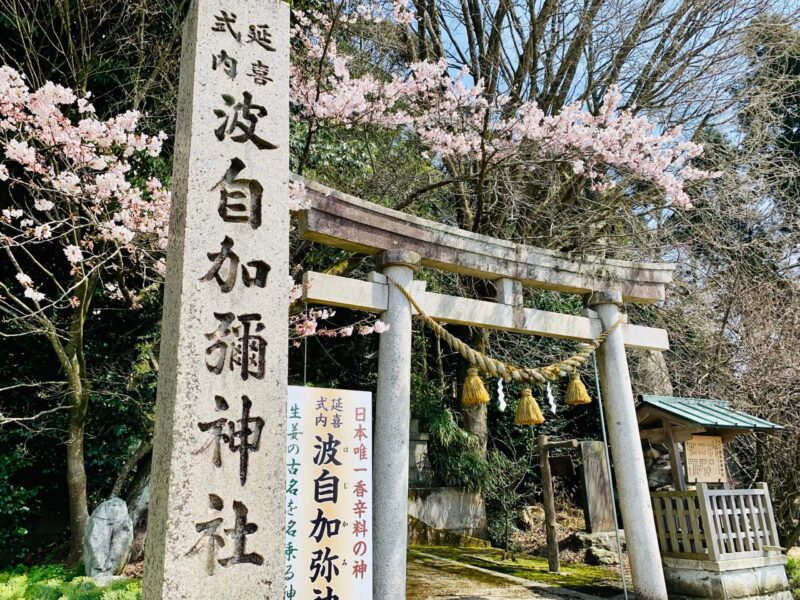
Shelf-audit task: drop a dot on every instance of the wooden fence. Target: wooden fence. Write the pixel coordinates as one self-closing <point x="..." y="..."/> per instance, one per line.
<point x="715" y="525"/>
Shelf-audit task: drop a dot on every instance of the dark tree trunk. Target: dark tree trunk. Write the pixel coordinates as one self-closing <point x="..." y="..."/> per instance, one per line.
<point x="475" y="423"/>
<point x="138" y="500"/>
<point x="475" y="415"/>
<point x="76" y="482"/>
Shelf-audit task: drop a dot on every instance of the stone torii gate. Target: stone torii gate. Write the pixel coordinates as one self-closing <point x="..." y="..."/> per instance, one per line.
<point x="403" y="244"/>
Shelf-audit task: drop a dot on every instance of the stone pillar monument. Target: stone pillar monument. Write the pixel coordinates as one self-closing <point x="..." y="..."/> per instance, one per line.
<point x="626" y="450"/>
<point x="216" y="522"/>
<point x="392" y="420"/>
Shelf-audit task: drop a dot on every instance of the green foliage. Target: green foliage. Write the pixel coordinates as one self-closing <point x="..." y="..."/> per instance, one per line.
<point x="15" y="503"/>
<point x="124" y="348"/>
<point x="381" y="169"/>
<point x="793" y="572"/>
<point x="454" y="453"/>
<point x="506" y="492"/>
<point x="54" y="582"/>
<point x="121" y="347"/>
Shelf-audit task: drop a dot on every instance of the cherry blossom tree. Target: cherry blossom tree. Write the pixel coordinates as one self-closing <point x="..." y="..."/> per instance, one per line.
<point x="458" y="120"/>
<point x="80" y="217"/>
<point x="498" y="157"/>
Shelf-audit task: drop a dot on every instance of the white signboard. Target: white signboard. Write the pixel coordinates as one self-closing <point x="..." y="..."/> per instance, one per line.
<point x="705" y="459"/>
<point x="329" y="494"/>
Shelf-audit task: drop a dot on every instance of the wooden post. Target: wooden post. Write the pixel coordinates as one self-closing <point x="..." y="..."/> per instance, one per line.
<point x="549" y="507"/>
<point x="553" y="563"/>
<point x="675" y="462"/>
<point x="709" y="526"/>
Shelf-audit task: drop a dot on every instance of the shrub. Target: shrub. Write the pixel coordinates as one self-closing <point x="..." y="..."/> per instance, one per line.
<point x="15" y="503"/>
<point x="54" y="582"/>
<point x="43" y="591"/>
<point x="793" y="572"/>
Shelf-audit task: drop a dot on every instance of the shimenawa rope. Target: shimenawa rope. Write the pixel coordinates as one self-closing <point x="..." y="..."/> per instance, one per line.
<point x="497" y="368"/>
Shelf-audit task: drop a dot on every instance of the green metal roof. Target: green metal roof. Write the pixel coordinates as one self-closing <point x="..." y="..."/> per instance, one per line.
<point x="707" y="413"/>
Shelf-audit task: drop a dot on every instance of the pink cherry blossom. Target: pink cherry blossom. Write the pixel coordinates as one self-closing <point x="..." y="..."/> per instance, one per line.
<point x="73" y="254"/>
<point x="21" y="152"/>
<point x="84" y="106"/>
<point x="42" y="232"/>
<point x="43" y="204"/>
<point x="450" y="114"/>
<point x="67" y="183"/>
<point x="33" y="294"/>
<point x="306" y="327"/>
<point x="76" y="185"/>
<point x="295" y="290"/>
<point x="24" y="280"/>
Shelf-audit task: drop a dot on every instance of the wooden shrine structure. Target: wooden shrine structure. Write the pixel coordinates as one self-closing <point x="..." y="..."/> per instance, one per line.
<point x="403" y="244"/>
<point x="713" y="538"/>
<point x="671" y="421"/>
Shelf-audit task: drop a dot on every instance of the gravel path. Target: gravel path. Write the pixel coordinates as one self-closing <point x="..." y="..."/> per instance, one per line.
<point x="436" y="579"/>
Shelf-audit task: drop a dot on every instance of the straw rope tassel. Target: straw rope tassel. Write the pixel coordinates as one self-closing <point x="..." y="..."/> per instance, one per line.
<point x="576" y="392"/>
<point x="473" y="391"/>
<point x="496" y="368"/>
<point x="528" y="411"/>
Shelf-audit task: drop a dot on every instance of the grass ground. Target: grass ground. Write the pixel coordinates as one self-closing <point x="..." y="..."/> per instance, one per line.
<point x="426" y="578"/>
<point x="54" y="582"/>
<point x="599" y="581"/>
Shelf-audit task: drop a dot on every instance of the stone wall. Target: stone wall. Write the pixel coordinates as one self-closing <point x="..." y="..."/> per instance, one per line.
<point x="451" y="509"/>
<point x="442" y="510"/>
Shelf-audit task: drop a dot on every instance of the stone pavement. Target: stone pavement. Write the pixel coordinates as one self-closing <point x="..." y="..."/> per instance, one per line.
<point x="434" y="578"/>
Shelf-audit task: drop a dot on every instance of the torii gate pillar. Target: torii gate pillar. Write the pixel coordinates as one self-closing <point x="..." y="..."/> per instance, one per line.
<point x="390" y="442"/>
<point x="626" y="450"/>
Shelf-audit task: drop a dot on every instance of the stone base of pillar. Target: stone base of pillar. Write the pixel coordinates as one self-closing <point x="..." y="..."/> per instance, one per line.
<point x="762" y="578"/>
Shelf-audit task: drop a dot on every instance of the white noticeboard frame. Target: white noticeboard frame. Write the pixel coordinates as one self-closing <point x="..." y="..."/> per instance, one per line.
<point x="328" y="494"/>
<point x="705" y="459"/>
